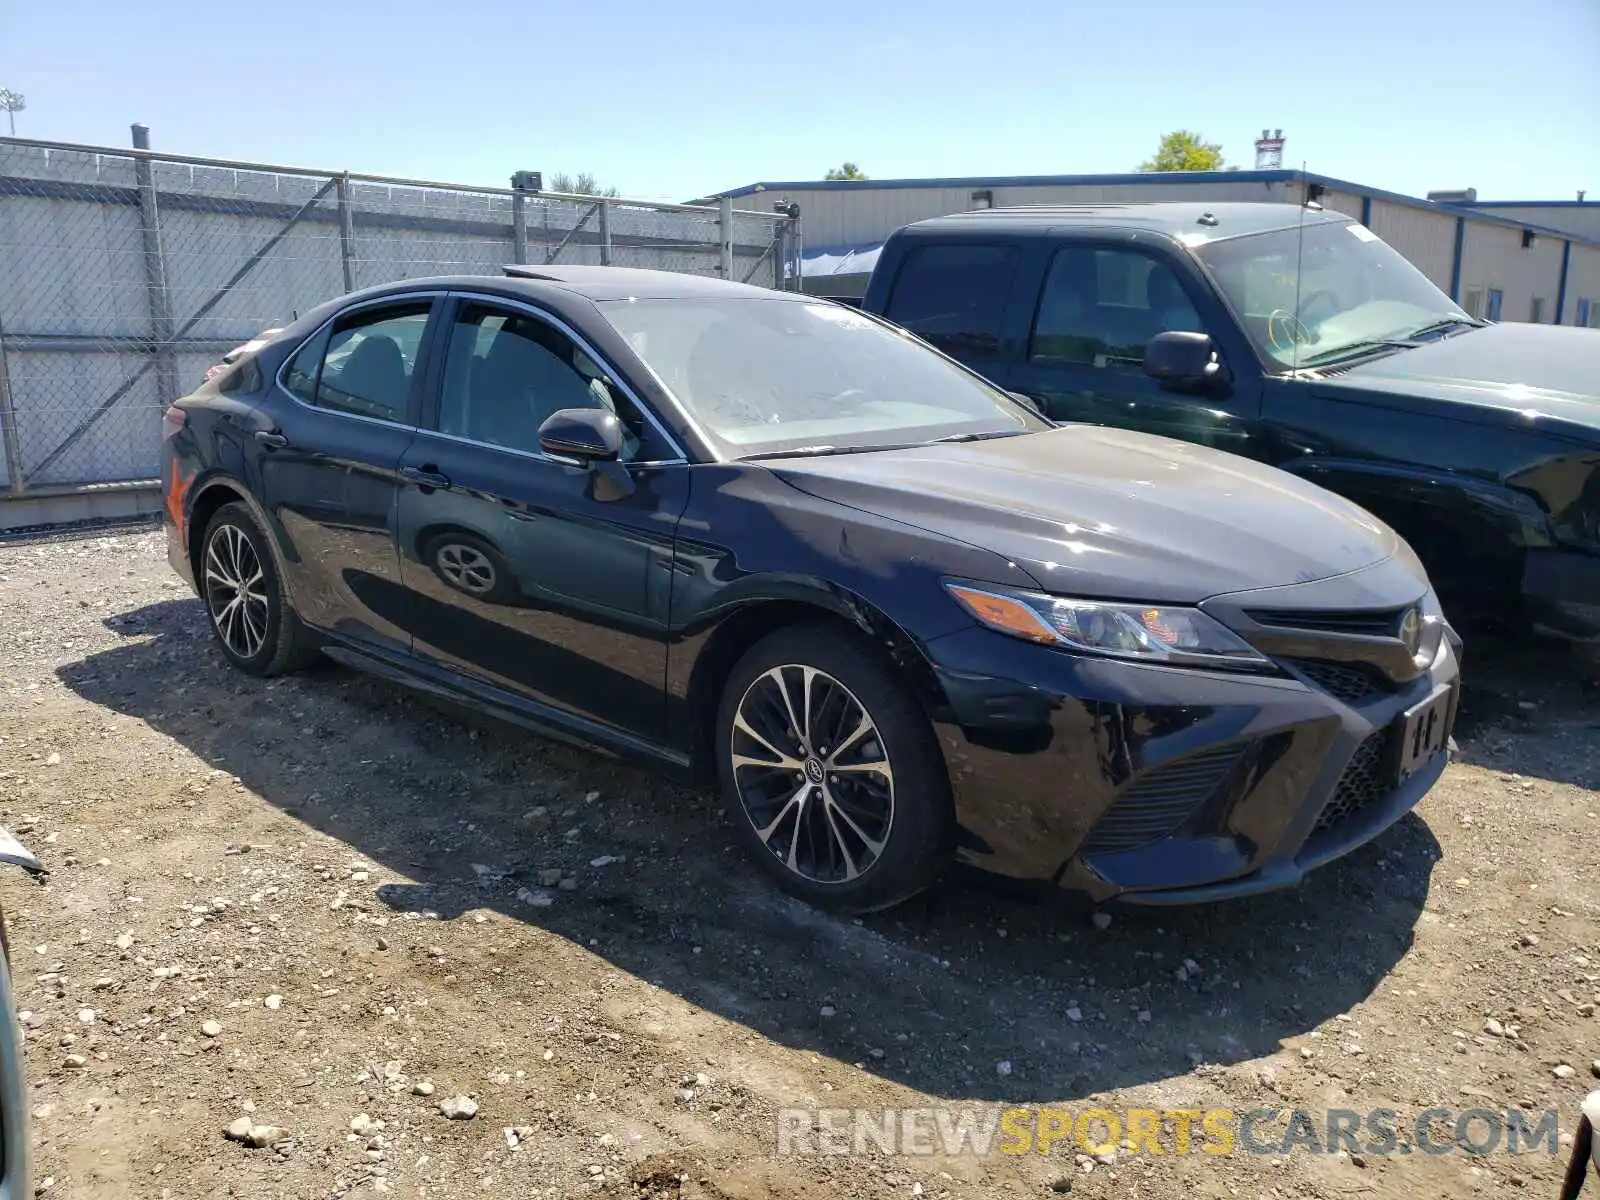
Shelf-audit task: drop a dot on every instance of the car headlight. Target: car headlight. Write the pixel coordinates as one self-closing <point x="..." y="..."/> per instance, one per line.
<point x="1159" y="633"/>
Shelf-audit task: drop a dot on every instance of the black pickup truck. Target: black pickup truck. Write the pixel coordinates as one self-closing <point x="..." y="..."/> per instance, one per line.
<point x="1294" y="336"/>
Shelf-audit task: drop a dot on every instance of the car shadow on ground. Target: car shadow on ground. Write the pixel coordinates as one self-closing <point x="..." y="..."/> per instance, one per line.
<point x="971" y="992"/>
<point x="1531" y="707"/>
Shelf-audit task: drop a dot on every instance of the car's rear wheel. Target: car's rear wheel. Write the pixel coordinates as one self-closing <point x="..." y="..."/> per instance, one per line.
<point x="256" y="628"/>
<point x="830" y="771"/>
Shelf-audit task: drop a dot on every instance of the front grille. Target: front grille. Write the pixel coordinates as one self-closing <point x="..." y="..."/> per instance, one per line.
<point x="1365" y="781"/>
<point x="1160" y="801"/>
<point x="1349" y="682"/>
<point x="1367" y="622"/>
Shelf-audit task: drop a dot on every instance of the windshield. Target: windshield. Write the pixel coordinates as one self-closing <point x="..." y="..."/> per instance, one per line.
<point x="1327" y="299"/>
<point x="763" y="376"/>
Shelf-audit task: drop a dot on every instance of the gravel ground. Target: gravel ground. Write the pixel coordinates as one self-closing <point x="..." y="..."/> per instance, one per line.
<point x="315" y="936"/>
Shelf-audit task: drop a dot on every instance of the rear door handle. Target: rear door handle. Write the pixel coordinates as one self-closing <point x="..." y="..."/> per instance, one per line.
<point x="425" y="477"/>
<point x="271" y="439"/>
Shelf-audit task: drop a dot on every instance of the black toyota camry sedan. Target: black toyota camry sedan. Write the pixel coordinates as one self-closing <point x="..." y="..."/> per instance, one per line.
<point x="772" y="542"/>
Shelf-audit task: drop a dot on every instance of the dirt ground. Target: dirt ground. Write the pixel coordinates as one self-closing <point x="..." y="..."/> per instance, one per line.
<point x="321" y="904"/>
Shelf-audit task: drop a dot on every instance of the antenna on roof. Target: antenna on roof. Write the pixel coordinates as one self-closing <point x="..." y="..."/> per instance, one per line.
<point x="1296" y="328"/>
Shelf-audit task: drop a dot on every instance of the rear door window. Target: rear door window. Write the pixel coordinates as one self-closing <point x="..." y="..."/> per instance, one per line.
<point x="954" y="296"/>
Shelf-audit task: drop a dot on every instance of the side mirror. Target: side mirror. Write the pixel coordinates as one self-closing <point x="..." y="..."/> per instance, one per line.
<point x="586" y="434"/>
<point x="1185" y="359"/>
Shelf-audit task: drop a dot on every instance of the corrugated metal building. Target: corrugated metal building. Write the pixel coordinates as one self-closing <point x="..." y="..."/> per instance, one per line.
<point x="1513" y="265"/>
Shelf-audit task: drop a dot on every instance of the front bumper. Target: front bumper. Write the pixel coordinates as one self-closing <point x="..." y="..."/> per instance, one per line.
<point x="1158" y="785"/>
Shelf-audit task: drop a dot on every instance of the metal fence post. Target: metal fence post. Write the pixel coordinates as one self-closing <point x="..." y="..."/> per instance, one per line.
<point x="797" y="249"/>
<point x="519" y="225"/>
<point x="605" y="233"/>
<point x="725" y="235"/>
<point x="347" y="233"/>
<point x="155" y="270"/>
<point x="8" y="427"/>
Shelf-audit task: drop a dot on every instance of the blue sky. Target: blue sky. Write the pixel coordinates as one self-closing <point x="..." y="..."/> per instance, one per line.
<point x="673" y="100"/>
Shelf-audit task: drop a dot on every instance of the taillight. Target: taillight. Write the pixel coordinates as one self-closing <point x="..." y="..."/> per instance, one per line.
<point x="172" y="420"/>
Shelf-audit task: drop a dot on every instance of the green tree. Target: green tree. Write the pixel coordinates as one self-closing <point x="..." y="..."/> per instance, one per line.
<point x="583" y="184"/>
<point x="1182" y="150"/>
<point x="846" y="170"/>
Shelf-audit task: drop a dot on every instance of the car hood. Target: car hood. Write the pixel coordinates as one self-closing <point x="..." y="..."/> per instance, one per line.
<point x="1541" y="373"/>
<point x="1110" y="513"/>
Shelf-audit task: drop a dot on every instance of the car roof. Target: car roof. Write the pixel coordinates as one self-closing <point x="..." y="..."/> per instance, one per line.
<point x="1209" y="222"/>
<point x="592" y="283"/>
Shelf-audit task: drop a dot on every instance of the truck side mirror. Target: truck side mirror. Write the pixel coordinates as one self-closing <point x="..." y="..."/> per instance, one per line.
<point x="1185" y="359"/>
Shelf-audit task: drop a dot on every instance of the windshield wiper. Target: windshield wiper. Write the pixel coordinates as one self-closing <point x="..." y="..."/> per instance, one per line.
<point x="814" y="452"/>
<point x="1440" y="328"/>
<point x="1357" y="349"/>
<point x="975" y="437"/>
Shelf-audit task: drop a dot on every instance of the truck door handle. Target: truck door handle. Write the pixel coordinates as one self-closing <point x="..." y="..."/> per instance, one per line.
<point x="271" y="439"/>
<point x="426" y="476"/>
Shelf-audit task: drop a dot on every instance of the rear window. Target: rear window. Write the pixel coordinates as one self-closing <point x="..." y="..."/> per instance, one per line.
<point x="954" y="296"/>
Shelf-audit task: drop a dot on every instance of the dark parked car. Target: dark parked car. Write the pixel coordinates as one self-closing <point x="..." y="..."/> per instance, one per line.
<point x="1298" y="338"/>
<point x="772" y="541"/>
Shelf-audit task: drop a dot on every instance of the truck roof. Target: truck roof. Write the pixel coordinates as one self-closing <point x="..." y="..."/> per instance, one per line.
<point x="1209" y="221"/>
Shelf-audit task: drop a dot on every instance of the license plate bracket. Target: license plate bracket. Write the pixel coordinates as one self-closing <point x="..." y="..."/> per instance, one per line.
<point x="1423" y="730"/>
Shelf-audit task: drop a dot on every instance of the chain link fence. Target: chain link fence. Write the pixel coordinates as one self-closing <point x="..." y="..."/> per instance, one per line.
<point x="124" y="275"/>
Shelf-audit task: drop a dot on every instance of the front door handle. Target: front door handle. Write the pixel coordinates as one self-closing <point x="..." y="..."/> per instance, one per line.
<point x="425" y="477"/>
<point x="271" y="439"/>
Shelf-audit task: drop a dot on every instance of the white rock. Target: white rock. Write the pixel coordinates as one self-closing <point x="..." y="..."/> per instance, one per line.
<point x="1493" y="1028"/>
<point x="212" y="1029"/>
<point x="1102" y="920"/>
<point x="1003" y="1068"/>
<point x="1564" y="1071"/>
<point x="459" y="1108"/>
<point x="605" y="860"/>
<point x="423" y="1087"/>
<point x="274" y="1002"/>
<point x="1074" y="1013"/>
<point x="86" y="1016"/>
<point x="124" y="941"/>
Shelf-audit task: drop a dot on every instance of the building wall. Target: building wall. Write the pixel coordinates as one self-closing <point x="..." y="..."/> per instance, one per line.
<point x="1582" y="220"/>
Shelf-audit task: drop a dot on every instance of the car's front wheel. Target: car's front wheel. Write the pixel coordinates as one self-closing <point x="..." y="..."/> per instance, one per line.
<point x="830" y="771"/>
<point x="244" y="597"/>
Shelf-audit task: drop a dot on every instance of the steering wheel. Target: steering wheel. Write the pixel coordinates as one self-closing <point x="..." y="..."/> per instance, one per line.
<point x="1285" y="331"/>
<point x="1321" y="295"/>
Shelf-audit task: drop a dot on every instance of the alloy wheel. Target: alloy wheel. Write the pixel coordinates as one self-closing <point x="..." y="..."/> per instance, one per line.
<point x="466" y="567"/>
<point x="812" y="773"/>
<point x="236" y="593"/>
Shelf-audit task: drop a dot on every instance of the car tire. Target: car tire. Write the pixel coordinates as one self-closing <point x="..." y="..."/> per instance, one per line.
<point x="469" y="565"/>
<point x="245" y="601"/>
<point x="875" y="825"/>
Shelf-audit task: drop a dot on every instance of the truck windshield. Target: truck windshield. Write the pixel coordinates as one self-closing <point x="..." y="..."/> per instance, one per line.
<point x="763" y="376"/>
<point x="1325" y="293"/>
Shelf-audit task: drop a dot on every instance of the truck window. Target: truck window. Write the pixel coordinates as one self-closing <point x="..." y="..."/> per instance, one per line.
<point x="954" y="296"/>
<point x="1102" y="306"/>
